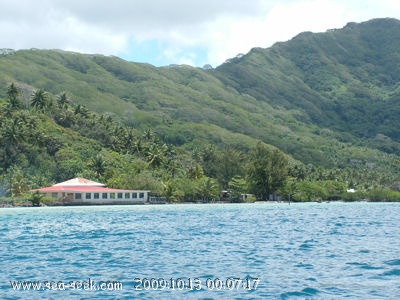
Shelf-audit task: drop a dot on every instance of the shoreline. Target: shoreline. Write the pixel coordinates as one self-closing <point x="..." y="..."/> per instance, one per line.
<point x="3" y="205"/>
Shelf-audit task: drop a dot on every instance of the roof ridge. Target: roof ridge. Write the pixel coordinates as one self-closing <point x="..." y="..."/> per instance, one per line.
<point x="79" y="181"/>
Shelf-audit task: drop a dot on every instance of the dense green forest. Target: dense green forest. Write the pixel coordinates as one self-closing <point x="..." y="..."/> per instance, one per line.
<point x="306" y="120"/>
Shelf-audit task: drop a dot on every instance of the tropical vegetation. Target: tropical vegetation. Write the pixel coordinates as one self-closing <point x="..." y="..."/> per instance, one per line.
<point x="307" y="119"/>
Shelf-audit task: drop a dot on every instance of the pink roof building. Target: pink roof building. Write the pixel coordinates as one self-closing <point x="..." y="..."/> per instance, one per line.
<point x="81" y="191"/>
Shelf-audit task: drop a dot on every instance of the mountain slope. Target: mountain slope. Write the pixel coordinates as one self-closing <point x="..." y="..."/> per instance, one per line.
<point x="330" y="99"/>
<point x="346" y="79"/>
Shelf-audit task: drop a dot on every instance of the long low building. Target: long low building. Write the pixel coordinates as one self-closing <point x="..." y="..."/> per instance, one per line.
<point x="81" y="191"/>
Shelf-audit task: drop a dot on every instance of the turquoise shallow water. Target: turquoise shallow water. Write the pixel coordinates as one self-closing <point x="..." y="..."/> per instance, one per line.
<point x="298" y="251"/>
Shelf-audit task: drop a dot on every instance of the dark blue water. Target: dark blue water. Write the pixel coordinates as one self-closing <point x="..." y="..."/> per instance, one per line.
<point x="249" y="251"/>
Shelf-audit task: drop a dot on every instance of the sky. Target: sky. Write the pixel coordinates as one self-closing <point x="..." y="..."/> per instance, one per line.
<point x="164" y="32"/>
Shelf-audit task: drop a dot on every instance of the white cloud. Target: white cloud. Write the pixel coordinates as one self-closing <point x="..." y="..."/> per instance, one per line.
<point x="228" y="35"/>
<point x="285" y="19"/>
<point x="220" y="29"/>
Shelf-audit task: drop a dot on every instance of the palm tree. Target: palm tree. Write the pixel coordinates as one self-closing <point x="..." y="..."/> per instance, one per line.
<point x="20" y="183"/>
<point x="207" y="189"/>
<point x="63" y="100"/>
<point x="98" y="165"/>
<point x="148" y="135"/>
<point x="81" y="110"/>
<point x="138" y="145"/>
<point x="155" y="154"/>
<point x="29" y="128"/>
<point x="107" y="120"/>
<point x="40" y="100"/>
<point x="8" y="110"/>
<point x="13" y="132"/>
<point x="12" y="94"/>
<point x="66" y="118"/>
<point x="116" y="138"/>
<point x="129" y="139"/>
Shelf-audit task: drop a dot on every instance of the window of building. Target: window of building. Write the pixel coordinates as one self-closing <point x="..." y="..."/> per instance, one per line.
<point x="134" y="195"/>
<point x="119" y="195"/>
<point x="127" y="195"/>
<point x="112" y="195"/>
<point x="141" y="195"/>
<point x="78" y="196"/>
<point x="54" y="195"/>
<point x="88" y="196"/>
<point x="104" y="195"/>
<point x="96" y="196"/>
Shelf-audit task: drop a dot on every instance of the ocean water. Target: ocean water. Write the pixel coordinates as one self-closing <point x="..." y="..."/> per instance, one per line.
<point x="216" y="251"/>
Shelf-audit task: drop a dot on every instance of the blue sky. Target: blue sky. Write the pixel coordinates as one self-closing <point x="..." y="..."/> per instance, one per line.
<point x="156" y="53"/>
<point x="163" y="32"/>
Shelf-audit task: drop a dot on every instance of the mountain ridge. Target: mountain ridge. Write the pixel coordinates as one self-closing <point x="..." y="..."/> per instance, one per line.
<point x="320" y="97"/>
<point x="315" y="69"/>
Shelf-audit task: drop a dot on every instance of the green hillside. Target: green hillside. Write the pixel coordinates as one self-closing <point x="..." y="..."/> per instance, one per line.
<point x="345" y="79"/>
<point x="329" y="100"/>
